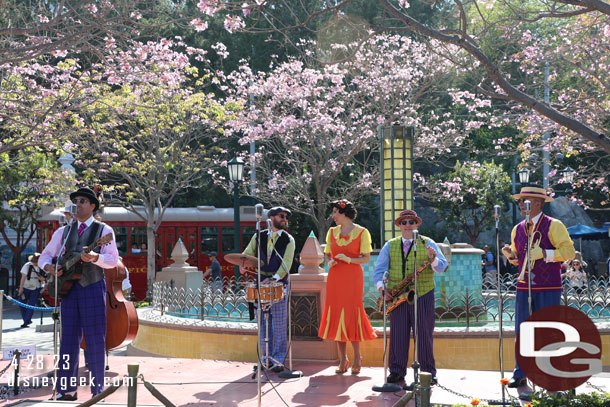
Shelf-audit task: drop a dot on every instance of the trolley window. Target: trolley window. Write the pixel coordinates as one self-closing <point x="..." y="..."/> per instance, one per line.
<point x="209" y="239"/>
<point x="246" y="235"/>
<point x="228" y="244"/>
<point x="138" y="240"/>
<point x="122" y="237"/>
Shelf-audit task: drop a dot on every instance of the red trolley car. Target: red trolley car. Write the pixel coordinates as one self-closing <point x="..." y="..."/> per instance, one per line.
<point x="202" y="229"/>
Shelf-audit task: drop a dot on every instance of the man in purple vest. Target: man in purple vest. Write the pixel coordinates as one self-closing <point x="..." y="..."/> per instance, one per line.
<point x="550" y="246"/>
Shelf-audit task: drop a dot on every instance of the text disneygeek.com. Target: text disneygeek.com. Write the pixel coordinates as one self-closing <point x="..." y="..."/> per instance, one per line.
<point x="68" y="382"/>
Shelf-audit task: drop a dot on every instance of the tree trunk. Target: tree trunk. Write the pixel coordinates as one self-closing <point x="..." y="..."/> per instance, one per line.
<point x="151" y="269"/>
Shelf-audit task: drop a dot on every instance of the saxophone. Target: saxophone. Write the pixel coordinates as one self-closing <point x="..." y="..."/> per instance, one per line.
<point x="401" y="292"/>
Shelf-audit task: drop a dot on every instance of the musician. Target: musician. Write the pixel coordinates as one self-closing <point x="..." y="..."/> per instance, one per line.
<point x="276" y="243"/>
<point x="550" y="246"/>
<point x="396" y="257"/>
<point x="83" y="310"/>
<point x="32" y="281"/>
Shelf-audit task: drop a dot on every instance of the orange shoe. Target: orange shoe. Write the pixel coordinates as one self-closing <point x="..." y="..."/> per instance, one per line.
<point x="342" y="368"/>
<point x="356" y="368"/>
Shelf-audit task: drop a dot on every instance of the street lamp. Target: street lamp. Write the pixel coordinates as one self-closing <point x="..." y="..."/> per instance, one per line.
<point x="568" y="174"/>
<point x="524" y="176"/>
<point x="236" y="175"/>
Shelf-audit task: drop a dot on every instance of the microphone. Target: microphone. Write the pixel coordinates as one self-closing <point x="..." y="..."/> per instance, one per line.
<point x="258" y="210"/>
<point x="62" y="219"/>
<point x="269" y="224"/>
<point x="527" y="207"/>
<point x="73" y="211"/>
<point x="385" y="278"/>
<point x="497" y="212"/>
<point x="415" y="235"/>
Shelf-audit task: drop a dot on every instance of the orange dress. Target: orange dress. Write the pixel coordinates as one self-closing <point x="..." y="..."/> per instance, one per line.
<point x="344" y="318"/>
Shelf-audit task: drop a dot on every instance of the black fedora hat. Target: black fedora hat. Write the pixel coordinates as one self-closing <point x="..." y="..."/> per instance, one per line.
<point x="87" y="193"/>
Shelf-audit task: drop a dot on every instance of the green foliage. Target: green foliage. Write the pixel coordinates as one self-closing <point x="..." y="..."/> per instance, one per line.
<point x="567" y="399"/>
<point x="465" y="197"/>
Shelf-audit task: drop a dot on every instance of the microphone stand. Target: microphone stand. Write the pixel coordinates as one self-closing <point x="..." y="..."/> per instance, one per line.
<point x="56" y="315"/>
<point x="385" y="387"/>
<point x="259" y="350"/>
<point x="500" y="301"/>
<point x="527" y="257"/>
<point x="415" y="387"/>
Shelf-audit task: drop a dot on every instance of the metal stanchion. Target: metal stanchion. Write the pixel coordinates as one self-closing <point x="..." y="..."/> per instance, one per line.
<point x="132" y="390"/>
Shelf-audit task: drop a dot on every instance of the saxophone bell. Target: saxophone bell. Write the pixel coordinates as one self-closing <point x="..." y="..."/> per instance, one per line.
<point x="411" y="297"/>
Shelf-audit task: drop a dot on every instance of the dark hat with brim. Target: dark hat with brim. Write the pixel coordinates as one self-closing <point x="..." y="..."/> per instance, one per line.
<point x="87" y="193"/>
<point x="212" y="254"/>
<point x="278" y="209"/>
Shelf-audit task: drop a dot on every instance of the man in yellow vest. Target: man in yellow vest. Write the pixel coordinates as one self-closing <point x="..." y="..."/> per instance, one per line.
<point x="394" y="264"/>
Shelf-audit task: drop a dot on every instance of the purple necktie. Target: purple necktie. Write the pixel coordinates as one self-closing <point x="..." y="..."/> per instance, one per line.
<point x="406" y="245"/>
<point x="81" y="229"/>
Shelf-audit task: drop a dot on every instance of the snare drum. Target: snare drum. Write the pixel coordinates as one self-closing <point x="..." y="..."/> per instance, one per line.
<point x="270" y="292"/>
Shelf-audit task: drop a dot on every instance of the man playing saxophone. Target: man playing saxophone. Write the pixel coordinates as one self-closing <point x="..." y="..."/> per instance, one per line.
<point x="550" y="245"/>
<point x="397" y="258"/>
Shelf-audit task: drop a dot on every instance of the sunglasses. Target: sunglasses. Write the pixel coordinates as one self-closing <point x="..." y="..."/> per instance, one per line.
<point x="408" y="222"/>
<point x="81" y="200"/>
<point x="281" y="215"/>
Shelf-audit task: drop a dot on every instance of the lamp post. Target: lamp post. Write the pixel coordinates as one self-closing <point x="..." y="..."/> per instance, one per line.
<point x="568" y="177"/>
<point x="236" y="174"/>
<point x="524" y="176"/>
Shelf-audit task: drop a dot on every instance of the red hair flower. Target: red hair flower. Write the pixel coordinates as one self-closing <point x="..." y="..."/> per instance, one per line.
<point x="342" y="204"/>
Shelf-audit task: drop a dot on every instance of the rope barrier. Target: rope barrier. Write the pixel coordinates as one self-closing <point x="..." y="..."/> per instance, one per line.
<point x="21" y="304"/>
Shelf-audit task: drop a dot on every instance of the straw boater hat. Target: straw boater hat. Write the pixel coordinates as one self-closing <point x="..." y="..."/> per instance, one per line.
<point x="408" y="214"/>
<point x="34" y="257"/>
<point x="533" y="192"/>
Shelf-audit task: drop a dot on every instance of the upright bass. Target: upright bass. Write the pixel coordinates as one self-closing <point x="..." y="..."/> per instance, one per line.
<point x="121" y="315"/>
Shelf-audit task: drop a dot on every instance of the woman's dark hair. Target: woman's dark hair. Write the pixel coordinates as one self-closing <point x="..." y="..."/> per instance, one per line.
<point x="345" y="207"/>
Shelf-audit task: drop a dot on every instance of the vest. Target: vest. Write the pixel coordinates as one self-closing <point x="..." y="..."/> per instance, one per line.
<point x="74" y="244"/>
<point x="270" y="266"/>
<point x="545" y="276"/>
<point x="425" y="281"/>
<point x="31" y="278"/>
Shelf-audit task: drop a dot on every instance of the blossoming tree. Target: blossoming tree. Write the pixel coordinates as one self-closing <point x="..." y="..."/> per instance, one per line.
<point x="316" y="126"/>
<point x="151" y="129"/>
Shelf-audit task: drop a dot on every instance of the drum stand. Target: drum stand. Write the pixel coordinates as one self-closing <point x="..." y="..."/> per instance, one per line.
<point x="385" y="387"/>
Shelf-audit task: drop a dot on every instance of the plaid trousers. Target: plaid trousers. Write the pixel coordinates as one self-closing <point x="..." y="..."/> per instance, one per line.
<point x="278" y="334"/>
<point x="83" y="312"/>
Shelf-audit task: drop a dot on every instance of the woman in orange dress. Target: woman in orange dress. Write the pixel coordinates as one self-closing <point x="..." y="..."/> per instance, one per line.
<point x="347" y="247"/>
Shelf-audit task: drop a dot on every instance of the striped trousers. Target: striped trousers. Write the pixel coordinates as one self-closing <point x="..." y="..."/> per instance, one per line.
<point x="402" y="322"/>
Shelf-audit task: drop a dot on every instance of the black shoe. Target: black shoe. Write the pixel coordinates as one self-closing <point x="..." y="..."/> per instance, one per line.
<point x="514" y="382"/>
<point x="277" y="368"/>
<point x="65" y="397"/>
<point x="25" y="325"/>
<point x="395" y="378"/>
<point x="433" y="381"/>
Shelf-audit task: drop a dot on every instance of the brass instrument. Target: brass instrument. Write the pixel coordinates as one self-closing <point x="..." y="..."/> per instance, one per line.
<point x="532" y="244"/>
<point x="401" y="292"/>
